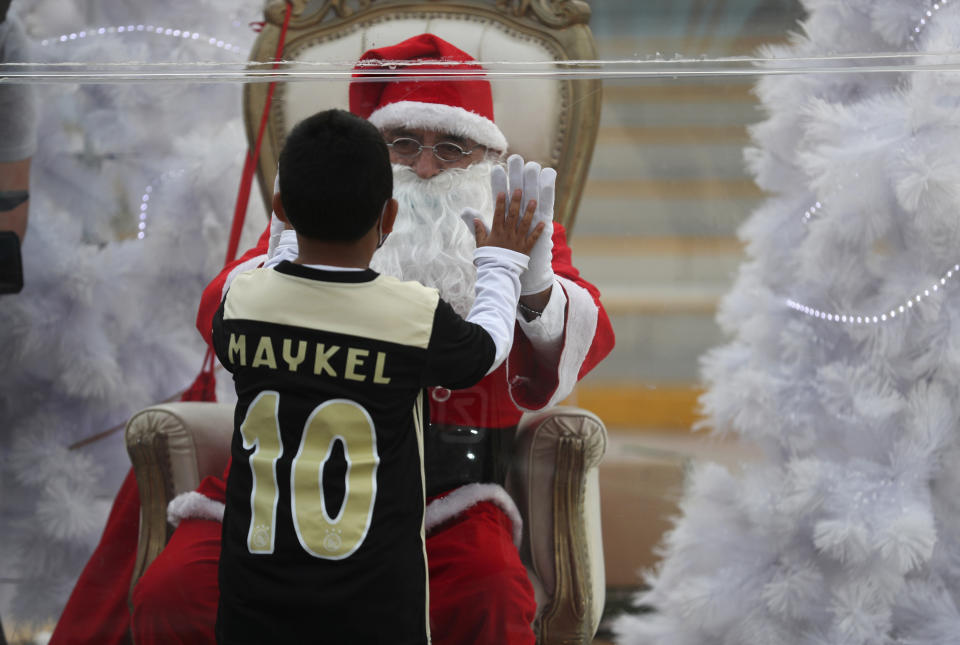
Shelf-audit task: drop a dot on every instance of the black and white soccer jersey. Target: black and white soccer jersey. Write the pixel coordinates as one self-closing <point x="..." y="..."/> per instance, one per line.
<point x="323" y="529"/>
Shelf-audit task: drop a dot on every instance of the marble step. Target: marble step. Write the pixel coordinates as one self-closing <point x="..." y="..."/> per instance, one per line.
<point x="661" y="295"/>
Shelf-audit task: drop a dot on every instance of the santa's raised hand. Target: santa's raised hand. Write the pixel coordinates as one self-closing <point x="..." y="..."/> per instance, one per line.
<point x="536" y="184"/>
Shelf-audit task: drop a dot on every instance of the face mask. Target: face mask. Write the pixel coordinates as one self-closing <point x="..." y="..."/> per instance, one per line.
<point x="382" y="237"/>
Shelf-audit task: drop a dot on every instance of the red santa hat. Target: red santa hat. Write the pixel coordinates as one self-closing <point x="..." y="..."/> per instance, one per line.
<point x="459" y="106"/>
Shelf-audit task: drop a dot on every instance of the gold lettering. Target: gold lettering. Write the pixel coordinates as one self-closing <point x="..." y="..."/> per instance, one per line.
<point x="354" y="360"/>
<point x="320" y="535"/>
<point x="322" y="362"/>
<point x="264" y="355"/>
<point x="238" y="345"/>
<point x="378" y="376"/>
<point x="294" y="361"/>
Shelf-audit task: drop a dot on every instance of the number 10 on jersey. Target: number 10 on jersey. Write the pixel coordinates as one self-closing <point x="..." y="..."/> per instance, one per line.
<point x="320" y="535"/>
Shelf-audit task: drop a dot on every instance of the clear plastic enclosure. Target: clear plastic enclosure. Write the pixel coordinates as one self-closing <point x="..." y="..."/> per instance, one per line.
<point x="765" y="194"/>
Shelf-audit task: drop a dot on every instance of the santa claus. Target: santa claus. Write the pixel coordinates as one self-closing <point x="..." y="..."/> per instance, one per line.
<point x="447" y="151"/>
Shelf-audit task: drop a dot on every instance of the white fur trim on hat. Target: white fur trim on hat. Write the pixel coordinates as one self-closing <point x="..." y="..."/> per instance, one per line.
<point x="442" y="118"/>
<point x="450" y="506"/>
<point x="193" y="506"/>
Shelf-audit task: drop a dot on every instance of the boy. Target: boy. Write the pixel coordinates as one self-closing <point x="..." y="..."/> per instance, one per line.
<point x="323" y="529"/>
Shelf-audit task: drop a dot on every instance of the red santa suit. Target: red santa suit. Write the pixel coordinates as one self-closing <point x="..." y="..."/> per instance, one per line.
<point x="479" y="589"/>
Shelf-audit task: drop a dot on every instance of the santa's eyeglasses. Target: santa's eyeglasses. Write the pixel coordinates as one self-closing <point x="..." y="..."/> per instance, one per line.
<point x="407" y="148"/>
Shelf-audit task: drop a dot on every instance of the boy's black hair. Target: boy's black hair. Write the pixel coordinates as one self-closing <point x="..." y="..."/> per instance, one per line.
<point x="335" y="176"/>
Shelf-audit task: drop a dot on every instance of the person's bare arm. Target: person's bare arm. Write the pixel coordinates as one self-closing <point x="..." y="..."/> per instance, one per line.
<point x="18" y="124"/>
<point x="14" y="196"/>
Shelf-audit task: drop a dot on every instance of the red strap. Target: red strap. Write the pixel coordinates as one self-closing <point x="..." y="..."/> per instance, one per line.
<point x="204" y="386"/>
<point x="250" y="164"/>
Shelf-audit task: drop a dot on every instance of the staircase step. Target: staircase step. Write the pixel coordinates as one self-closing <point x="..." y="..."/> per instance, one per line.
<point x="649" y="269"/>
<point x="677" y="135"/>
<point x="634" y="407"/>
<point x="661" y="295"/>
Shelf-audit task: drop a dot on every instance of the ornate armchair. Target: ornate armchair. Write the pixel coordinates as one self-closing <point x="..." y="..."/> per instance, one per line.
<point x="554" y="476"/>
<point x="554" y="480"/>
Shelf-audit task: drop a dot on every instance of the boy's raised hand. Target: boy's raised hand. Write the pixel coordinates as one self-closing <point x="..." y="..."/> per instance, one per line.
<point x="509" y="230"/>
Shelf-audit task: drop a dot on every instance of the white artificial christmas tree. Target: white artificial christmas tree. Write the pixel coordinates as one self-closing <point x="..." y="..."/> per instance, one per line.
<point x="844" y="363"/>
<point x="132" y="194"/>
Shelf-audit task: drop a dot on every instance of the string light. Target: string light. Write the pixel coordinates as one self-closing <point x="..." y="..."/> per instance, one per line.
<point x="926" y="18"/>
<point x="810" y="212"/>
<point x="148" y="194"/>
<point x="182" y="34"/>
<point x="144" y="206"/>
<point x="886" y="316"/>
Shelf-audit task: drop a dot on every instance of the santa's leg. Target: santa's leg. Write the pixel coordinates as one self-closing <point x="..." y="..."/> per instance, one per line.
<point x="175" y="601"/>
<point x="97" y="610"/>
<point x="479" y="589"/>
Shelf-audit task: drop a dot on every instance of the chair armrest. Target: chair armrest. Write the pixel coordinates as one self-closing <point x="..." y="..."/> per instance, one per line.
<point x="555" y="482"/>
<point x="173" y="446"/>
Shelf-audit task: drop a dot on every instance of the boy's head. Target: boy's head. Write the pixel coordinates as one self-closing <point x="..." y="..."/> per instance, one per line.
<point x="335" y="176"/>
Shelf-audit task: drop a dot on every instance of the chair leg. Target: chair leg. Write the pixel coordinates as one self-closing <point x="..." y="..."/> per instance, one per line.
<point x="154" y="496"/>
<point x="567" y="614"/>
<point x="556" y="484"/>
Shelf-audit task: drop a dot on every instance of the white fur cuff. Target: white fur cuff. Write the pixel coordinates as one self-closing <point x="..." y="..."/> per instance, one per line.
<point x="581" y="328"/>
<point x="193" y="506"/>
<point x="446" y="508"/>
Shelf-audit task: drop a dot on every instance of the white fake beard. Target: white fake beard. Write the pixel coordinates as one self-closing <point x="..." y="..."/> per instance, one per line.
<point x="429" y="242"/>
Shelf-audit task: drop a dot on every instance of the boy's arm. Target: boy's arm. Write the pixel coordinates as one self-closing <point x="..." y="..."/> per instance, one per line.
<point x="461" y="352"/>
<point x="497" y="291"/>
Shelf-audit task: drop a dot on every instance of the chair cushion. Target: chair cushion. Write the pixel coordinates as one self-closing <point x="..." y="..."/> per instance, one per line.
<point x="196" y="439"/>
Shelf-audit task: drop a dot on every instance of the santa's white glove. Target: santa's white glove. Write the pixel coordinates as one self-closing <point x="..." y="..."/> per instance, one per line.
<point x="18" y="103"/>
<point x="539" y="184"/>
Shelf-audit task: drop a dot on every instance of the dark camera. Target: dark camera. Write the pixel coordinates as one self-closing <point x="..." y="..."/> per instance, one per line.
<point x="11" y="266"/>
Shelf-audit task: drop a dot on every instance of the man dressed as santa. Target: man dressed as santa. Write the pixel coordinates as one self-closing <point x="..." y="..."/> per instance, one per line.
<point x="446" y="150"/>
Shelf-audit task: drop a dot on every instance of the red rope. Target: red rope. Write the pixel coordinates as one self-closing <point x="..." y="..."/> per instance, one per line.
<point x="250" y="164"/>
<point x="204" y="386"/>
